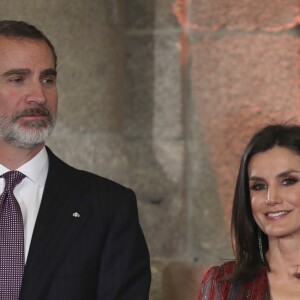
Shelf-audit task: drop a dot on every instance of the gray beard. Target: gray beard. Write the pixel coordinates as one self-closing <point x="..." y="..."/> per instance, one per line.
<point x="29" y="134"/>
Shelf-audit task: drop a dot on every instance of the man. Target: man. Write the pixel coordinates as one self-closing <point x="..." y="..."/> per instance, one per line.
<point x="82" y="238"/>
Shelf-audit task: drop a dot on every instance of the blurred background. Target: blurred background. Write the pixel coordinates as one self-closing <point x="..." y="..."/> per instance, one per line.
<point x="162" y="96"/>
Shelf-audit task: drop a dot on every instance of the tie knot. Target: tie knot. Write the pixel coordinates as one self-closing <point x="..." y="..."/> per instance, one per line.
<point x="12" y="178"/>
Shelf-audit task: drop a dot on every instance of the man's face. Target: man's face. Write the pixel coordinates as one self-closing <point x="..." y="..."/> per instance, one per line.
<point x="28" y="92"/>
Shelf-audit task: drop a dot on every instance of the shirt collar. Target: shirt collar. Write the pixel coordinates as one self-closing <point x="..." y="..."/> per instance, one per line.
<point x="35" y="169"/>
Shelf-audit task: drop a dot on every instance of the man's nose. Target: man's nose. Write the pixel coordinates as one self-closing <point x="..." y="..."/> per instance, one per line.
<point x="36" y="93"/>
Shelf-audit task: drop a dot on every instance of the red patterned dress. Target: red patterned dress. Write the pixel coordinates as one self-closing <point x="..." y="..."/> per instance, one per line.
<point x="214" y="288"/>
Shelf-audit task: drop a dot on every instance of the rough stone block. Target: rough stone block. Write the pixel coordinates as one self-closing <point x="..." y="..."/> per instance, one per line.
<point x="154" y="134"/>
<point x="140" y="15"/>
<point x="138" y="111"/>
<point x="181" y="281"/>
<point x="207" y="15"/>
<point x="163" y="211"/>
<point x="164" y="16"/>
<point x="156" y="290"/>
<point x="240" y="83"/>
<point x="103" y="154"/>
<point x="150" y="15"/>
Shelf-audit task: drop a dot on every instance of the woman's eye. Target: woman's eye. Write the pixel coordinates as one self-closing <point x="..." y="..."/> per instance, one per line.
<point x="258" y="186"/>
<point x="289" y="181"/>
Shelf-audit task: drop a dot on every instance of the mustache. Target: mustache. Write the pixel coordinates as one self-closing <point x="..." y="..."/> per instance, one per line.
<point x="35" y="111"/>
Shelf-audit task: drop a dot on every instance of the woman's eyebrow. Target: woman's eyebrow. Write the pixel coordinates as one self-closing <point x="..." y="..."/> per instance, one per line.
<point x="255" y="178"/>
<point x="288" y="172"/>
<point x="285" y="173"/>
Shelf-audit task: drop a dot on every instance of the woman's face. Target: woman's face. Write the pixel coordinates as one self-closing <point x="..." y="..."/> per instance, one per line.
<point x="274" y="182"/>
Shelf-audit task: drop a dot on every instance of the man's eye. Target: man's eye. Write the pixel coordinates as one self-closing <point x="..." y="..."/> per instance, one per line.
<point x="17" y="79"/>
<point x="289" y="181"/>
<point x="49" y="80"/>
<point x="258" y="186"/>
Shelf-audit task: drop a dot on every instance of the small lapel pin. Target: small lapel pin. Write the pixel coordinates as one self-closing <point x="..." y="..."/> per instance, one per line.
<point x="76" y="215"/>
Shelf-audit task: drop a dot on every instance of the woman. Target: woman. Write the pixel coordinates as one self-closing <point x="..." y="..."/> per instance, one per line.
<point x="265" y="222"/>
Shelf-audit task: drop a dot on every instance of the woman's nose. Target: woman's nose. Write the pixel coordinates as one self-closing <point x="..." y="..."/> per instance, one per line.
<point x="273" y="196"/>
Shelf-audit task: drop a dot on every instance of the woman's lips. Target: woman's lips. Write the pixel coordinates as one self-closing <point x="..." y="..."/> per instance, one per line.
<point x="277" y="214"/>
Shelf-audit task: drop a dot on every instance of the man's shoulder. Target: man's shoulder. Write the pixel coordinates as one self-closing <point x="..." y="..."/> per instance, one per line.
<point x="82" y="177"/>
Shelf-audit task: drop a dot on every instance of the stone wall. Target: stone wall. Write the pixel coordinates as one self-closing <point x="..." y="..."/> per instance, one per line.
<point x="162" y="96"/>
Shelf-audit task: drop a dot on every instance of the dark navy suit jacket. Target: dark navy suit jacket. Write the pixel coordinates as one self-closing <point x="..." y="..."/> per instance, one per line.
<point x="87" y="242"/>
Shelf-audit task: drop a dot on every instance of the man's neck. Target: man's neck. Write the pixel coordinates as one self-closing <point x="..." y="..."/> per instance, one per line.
<point x="12" y="157"/>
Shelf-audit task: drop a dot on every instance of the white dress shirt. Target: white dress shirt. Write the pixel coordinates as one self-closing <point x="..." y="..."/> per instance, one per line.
<point x="29" y="191"/>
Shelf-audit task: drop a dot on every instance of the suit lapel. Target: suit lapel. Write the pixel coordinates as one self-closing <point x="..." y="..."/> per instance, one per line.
<point x="60" y="219"/>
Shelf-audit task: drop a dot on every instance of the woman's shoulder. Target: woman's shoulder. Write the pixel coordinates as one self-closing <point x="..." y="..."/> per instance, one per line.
<point x="217" y="284"/>
<point x="221" y="271"/>
<point x="214" y="283"/>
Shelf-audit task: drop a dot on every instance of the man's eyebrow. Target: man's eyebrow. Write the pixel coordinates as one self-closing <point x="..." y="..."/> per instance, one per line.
<point x="48" y="72"/>
<point x="16" y="72"/>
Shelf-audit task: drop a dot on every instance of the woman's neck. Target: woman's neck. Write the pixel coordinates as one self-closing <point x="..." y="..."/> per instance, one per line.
<point x="284" y="255"/>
